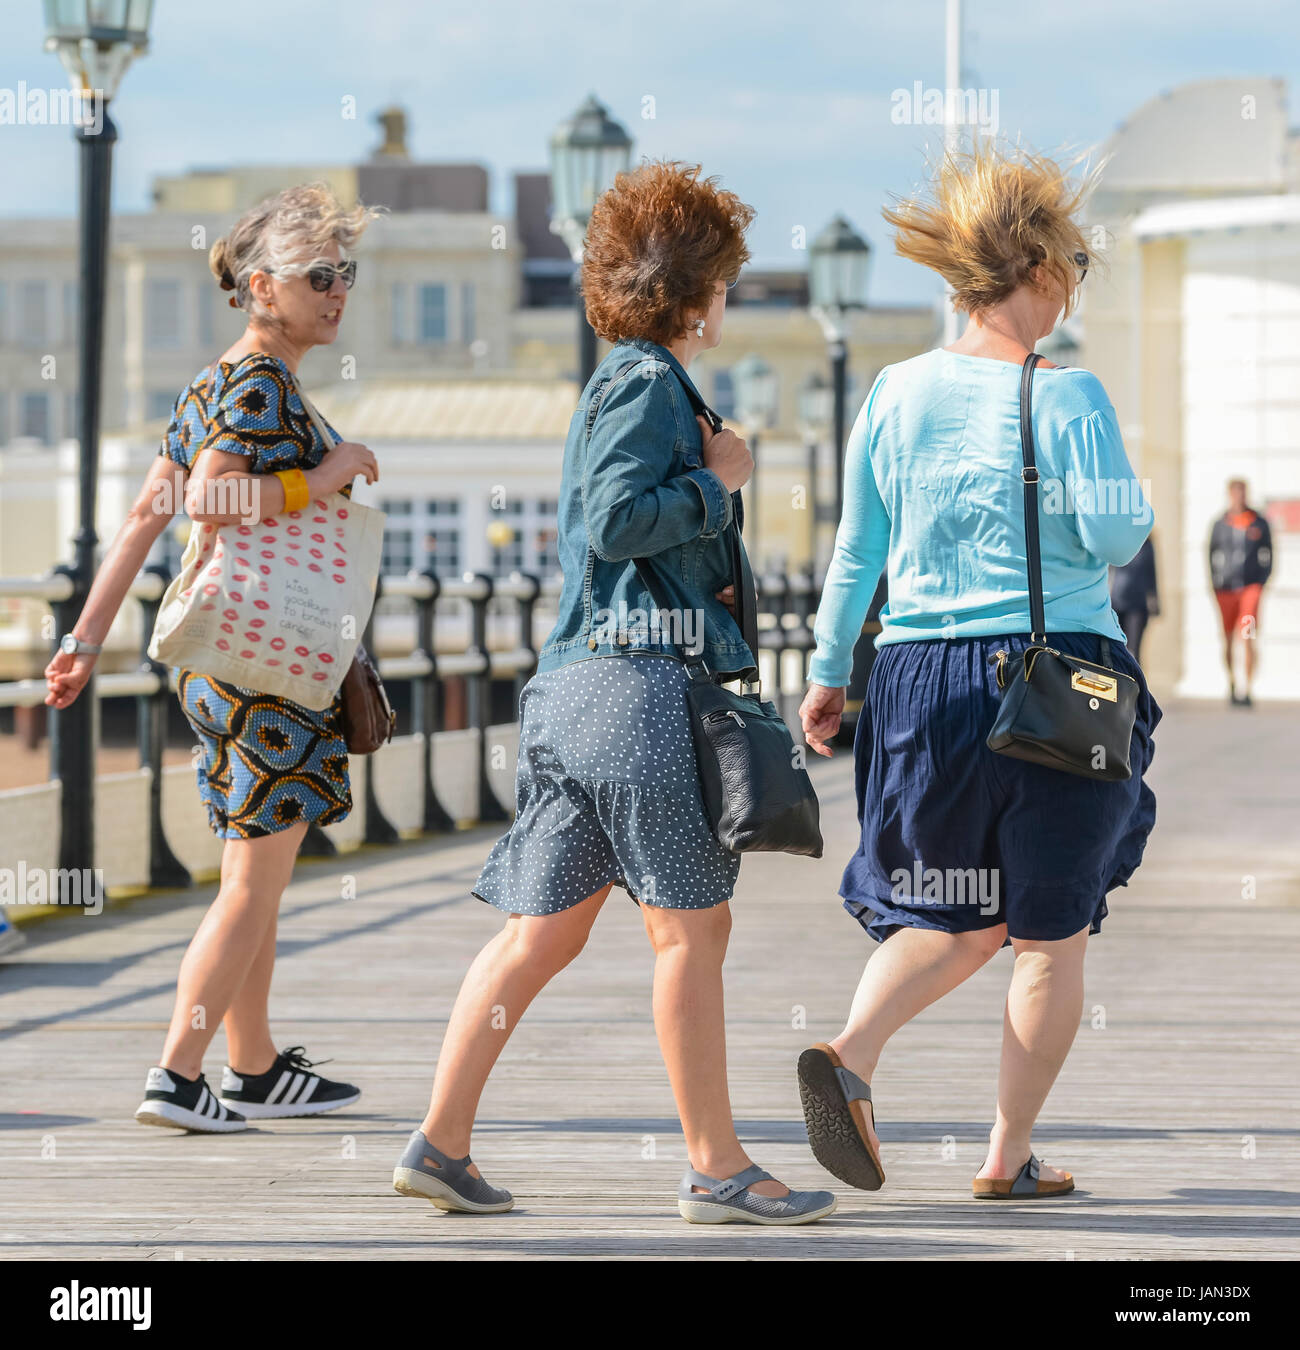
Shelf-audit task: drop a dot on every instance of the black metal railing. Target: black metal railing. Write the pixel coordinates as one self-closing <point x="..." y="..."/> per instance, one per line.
<point x="787" y="604"/>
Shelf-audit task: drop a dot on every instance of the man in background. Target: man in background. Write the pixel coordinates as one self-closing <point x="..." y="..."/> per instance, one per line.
<point x="1134" y="596"/>
<point x="1241" y="558"/>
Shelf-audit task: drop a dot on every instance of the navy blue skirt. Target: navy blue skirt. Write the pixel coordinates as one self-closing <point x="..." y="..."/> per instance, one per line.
<point x="955" y="837"/>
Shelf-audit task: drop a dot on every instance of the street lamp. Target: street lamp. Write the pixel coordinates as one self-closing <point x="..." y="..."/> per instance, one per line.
<point x="815" y="412"/>
<point x="588" y="151"/>
<point x="755" y="386"/>
<point x="95" y="40"/>
<point x="837" y="283"/>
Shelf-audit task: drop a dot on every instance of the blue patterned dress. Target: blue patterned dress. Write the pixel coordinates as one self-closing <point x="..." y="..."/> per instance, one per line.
<point x="268" y="763"/>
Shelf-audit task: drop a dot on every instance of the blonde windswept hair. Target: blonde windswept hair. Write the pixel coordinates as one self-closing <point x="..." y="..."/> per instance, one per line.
<point x="991" y="214"/>
<point x="284" y="235"/>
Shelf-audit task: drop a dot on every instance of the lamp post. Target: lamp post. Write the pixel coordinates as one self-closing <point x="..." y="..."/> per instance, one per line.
<point x="837" y="283"/>
<point x="755" y="386"/>
<point x="96" y="41"/>
<point x="814" y="420"/>
<point x="588" y="151"/>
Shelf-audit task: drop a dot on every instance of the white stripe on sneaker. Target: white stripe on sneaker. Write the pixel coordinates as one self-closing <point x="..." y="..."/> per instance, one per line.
<point x="307" y="1089"/>
<point x="277" y="1092"/>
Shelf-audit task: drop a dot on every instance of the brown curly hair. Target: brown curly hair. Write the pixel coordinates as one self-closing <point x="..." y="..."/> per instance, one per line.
<point x="658" y="243"/>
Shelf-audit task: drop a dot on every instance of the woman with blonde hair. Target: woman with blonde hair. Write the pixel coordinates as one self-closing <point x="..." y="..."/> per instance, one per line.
<point x="607" y="789"/>
<point x="240" y="433"/>
<point x="935" y="495"/>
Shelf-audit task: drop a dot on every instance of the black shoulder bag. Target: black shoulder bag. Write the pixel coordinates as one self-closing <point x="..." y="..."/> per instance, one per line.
<point x="1058" y="710"/>
<point x="757" y="794"/>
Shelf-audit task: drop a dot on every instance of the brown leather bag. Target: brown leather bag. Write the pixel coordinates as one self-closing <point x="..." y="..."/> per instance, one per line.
<point x="368" y="717"/>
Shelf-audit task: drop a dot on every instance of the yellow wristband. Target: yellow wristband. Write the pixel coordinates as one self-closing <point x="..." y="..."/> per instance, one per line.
<point x="297" y="494"/>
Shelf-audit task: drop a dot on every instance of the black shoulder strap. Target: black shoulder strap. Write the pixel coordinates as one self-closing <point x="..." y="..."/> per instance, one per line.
<point x="1029" y="476"/>
<point x="742" y="577"/>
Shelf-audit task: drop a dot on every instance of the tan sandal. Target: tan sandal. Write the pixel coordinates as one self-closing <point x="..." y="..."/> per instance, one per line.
<point x="1025" y="1185"/>
<point x="832" y="1099"/>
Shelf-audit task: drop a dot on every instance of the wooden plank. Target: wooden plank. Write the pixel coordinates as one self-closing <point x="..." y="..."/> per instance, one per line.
<point x="1177" y="1109"/>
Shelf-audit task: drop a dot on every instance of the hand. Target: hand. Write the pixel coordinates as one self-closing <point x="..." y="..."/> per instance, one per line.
<point x="819" y="714"/>
<point x="727" y="595"/>
<point x="727" y="455"/>
<point x="346" y="461"/>
<point x="66" y="676"/>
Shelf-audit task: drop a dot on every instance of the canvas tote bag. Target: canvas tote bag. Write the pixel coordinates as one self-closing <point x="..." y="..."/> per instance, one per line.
<point x="265" y="605"/>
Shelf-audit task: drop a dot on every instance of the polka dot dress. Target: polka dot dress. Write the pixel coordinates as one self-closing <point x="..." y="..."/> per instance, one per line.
<point x="607" y="791"/>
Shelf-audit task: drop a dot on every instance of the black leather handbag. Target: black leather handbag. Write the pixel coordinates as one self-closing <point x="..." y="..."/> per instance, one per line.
<point x="1058" y="710"/>
<point x="757" y="794"/>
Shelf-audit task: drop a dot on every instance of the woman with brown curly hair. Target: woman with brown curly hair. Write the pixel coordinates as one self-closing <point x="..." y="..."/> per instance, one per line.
<point x="963" y="850"/>
<point x="607" y="792"/>
<point x="241" y="434"/>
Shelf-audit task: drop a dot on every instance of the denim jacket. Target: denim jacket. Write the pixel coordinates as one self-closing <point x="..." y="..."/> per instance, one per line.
<point x="634" y="485"/>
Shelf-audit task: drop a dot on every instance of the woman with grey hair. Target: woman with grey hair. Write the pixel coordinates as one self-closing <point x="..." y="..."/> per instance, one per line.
<point x="240" y="433"/>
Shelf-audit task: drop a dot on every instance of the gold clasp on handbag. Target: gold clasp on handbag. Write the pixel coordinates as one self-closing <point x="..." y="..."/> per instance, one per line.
<point x="1099" y="686"/>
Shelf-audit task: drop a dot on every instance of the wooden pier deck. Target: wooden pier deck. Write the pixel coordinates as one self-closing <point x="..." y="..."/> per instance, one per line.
<point x="1178" y="1110"/>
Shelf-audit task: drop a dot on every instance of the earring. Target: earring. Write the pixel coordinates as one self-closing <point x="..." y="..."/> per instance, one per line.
<point x="699" y="328"/>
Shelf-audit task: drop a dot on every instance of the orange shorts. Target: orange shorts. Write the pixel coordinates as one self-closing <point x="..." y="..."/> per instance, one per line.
<point x="1235" y="606"/>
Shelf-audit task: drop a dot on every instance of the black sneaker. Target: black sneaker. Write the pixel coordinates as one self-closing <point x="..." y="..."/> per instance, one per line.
<point x="185" y="1104"/>
<point x="287" y="1088"/>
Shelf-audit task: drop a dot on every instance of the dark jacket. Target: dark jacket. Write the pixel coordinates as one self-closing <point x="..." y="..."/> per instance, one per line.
<point x="1133" y="587"/>
<point x="1240" y="556"/>
<point x="634" y="485"/>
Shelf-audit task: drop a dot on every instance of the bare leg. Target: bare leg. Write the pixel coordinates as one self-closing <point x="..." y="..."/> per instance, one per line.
<point x="1044" y="1004"/>
<point x="911" y="969"/>
<point x="249" y="1047"/>
<point x="690" y="945"/>
<point x="505" y="978"/>
<point x="254" y="873"/>
<point x="1248" y="644"/>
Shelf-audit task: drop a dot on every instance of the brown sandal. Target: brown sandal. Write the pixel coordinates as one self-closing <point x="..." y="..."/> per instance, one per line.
<point x="1025" y="1185"/>
<point x="832" y="1099"/>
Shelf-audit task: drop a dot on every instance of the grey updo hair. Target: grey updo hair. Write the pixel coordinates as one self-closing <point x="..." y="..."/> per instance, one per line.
<point x="284" y="234"/>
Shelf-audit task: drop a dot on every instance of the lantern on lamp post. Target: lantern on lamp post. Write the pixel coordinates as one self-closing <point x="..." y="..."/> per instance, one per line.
<point x="588" y="151"/>
<point x="837" y="284"/>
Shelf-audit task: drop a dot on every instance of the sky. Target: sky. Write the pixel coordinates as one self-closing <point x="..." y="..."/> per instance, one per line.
<point x="793" y="105"/>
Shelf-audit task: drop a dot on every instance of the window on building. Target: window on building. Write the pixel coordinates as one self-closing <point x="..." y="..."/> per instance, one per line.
<point x="401" y="331"/>
<point x="399" y="551"/>
<point x="34" y="417"/>
<point x="33" y="314"/>
<point x="70" y="315"/>
<point x="533" y="547"/>
<point x="162" y="314"/>
<point x="724" y="394"/>
<point x="442" y="536"/>
<point x="546" y="538"/>
<point x="433" y="313"/>
<point x="207" y="334"/>
<point x="159" y="403"/>
<point x="467" y="314"/>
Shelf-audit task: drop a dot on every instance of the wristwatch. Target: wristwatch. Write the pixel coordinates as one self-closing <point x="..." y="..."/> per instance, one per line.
<point x="73" y="646"/>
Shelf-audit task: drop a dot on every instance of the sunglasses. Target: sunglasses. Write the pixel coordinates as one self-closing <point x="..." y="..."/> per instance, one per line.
<point x="1081" y="262"/>
<point x="323" y="275"/>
